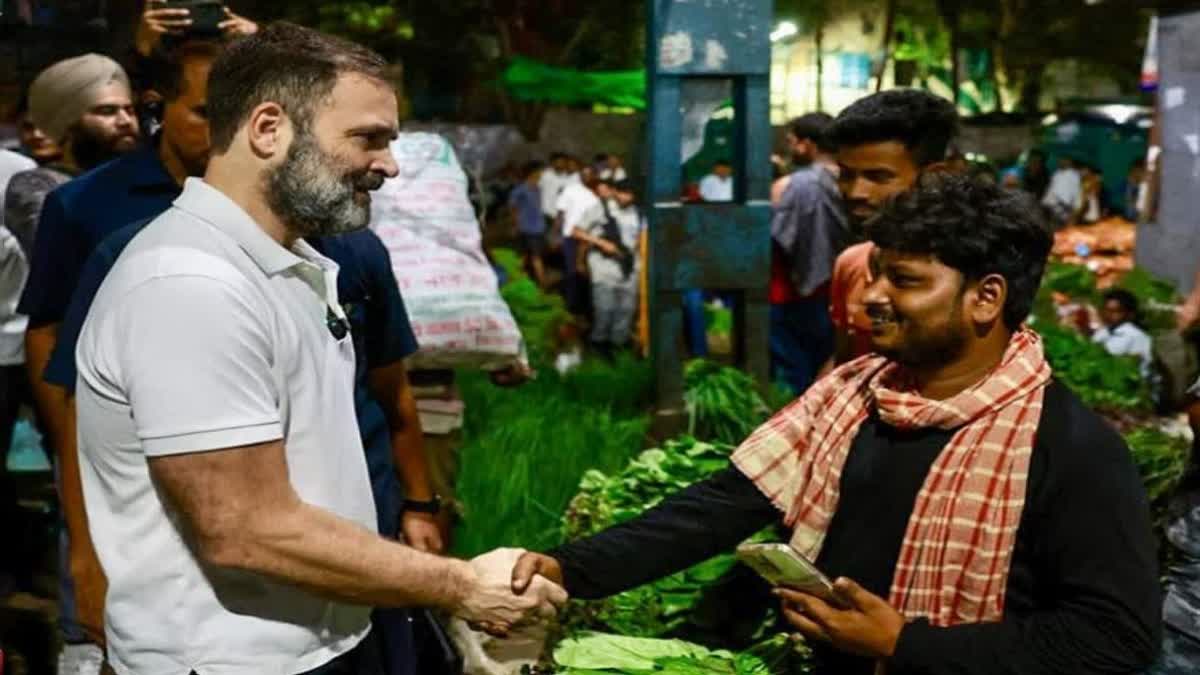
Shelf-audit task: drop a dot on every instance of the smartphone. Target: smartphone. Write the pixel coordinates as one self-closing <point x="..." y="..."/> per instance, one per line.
<point x="782" y="565"/>
<point x="206" y="15"/>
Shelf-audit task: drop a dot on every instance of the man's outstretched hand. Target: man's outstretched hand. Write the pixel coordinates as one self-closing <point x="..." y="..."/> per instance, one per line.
<point x="489" y="603"/>
<point x="532" y="565"/>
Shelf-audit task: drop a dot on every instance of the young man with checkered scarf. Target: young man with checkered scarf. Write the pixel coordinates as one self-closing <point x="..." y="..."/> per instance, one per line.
<point x="976" y="516"/>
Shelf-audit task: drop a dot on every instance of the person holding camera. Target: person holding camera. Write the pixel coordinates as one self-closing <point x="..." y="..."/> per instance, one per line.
<point x="165" y="20"/>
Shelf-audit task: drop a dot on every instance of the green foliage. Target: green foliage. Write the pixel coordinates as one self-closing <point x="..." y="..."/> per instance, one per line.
<point x="598" y="653"/>
<point x="1100" y="379"/>
<point x="1161" y="460"/>
<point x="723" y="404"/>
<point x="1155" y="297"/>
<point x="539" y="315"/>
<point x="1074" y="281"/>
<point x="604" y="500"/>
<point x="524" y="449"/>
<point x="718" y="320"/>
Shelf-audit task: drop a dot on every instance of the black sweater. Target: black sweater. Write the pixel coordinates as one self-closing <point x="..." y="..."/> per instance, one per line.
<point x="1082" y="596"/>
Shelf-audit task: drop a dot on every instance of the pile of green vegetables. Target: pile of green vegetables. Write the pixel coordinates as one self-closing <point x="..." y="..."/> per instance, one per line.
<point x="1161" y="460"/>
<point x="538" y="314"/>
<point x="599" y="654"/>
<point x="1155" y="296"/>
<point x="722" y="404"/>
<point x="723" y="407"/>
<point x="668" y="605"/>
<point x="1101" y="380"/>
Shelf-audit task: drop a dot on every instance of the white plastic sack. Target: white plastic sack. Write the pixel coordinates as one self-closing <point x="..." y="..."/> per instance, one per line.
<point x="427" y="224"/>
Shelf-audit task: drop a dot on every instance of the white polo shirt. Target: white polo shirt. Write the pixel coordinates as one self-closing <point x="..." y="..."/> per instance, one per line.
<point x="207" y="334"/>
<point x="574" y="202"/>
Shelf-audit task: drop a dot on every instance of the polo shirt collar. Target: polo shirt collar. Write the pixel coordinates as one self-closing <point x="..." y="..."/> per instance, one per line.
<point x="203" y="201"/>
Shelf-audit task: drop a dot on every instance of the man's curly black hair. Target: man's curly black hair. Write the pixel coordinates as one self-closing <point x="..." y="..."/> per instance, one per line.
<point x="924" y="123"/>
<point x="974" y="226"/>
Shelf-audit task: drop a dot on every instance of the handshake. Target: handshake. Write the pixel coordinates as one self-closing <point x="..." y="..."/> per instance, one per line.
<point x="509" y="589"/>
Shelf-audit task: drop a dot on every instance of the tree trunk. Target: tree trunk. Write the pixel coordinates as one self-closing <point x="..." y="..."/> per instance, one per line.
<point x="889" y="27"/>
<point x="994" y="76"/>
<point x="1031" y="91"/>
<point x="819" y="40"/>
<point x="955" y="60"/>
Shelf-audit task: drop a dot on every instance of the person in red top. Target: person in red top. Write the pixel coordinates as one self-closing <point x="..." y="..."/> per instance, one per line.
<point x="884" y="142"/>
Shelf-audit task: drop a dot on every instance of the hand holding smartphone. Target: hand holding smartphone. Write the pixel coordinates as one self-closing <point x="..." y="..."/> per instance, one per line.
<point x="782" y="565"/>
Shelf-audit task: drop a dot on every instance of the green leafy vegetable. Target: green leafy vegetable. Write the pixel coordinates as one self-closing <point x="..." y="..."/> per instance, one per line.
<point x="596" y="653"/>
<point x="723" y="404"/>
<point x="538" y="314"/>
<point x="603" y="500"/>
<point x="1100" y="379"/>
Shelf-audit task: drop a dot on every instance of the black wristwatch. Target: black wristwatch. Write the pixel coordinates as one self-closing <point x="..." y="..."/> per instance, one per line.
<point x="432" y="506"/>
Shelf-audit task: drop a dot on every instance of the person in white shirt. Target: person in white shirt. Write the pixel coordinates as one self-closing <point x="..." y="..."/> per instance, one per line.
<point x="611" y="169"/>
<point x="223" y="473"/>
<point x="1065" y="195"/>
<point x="1120" y="335"/>
<point x="611" y="236"/>
<point x="556" y="177"/>
<point x="718" y="185"/>
<point x="572" y="207"/>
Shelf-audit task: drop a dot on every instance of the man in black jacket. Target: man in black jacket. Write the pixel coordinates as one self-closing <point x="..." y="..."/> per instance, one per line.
<point x="976" y="516"/>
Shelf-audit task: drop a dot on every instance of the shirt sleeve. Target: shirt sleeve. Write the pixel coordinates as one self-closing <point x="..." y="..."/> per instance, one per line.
<point x="1099" y="579"/>
<point x="703" y="520"/>
<point x="23" y="201"/>
<point x="60" y="370"/>
<point x="389" y="334"/>
<point x="59" y="254"/>
<point x="193" y="356"/>
<point x="838" y="289"/>
<point x="13" y="271"/>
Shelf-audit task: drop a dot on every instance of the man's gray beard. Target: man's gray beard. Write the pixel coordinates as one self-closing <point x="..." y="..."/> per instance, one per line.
<point x="311" y="196"/>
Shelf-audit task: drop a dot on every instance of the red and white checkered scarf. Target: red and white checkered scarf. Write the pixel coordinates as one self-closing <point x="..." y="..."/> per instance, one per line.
<point x="954" y="561"/>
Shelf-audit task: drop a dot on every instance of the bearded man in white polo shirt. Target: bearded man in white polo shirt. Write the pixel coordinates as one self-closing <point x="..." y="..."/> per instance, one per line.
<point x="222" y="469"/>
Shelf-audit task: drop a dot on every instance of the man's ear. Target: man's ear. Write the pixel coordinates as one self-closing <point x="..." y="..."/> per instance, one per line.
<point x="267" y="129"/>
<point x="990" y="296"/>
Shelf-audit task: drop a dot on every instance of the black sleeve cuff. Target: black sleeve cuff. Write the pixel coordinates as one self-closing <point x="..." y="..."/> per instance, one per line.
<point x="915" y="648"/>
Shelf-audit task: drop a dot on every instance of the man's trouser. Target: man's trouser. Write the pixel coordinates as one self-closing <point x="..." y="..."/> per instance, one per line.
<point x="613" y="307"/>
<point x="801" y="341"/>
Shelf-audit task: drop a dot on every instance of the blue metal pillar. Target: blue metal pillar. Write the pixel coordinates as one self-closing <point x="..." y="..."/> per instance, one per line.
<point x="713" y="246"/>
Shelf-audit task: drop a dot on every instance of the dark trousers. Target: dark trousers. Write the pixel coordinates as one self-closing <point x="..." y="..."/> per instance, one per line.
<point x="572" y="283"/>
<point x="695" y="327"/>
<point x="15" y="556"/>
<point x="801" y="341"/>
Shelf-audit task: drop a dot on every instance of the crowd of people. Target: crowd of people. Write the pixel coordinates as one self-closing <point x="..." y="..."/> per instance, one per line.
<point x="214" y="343"/>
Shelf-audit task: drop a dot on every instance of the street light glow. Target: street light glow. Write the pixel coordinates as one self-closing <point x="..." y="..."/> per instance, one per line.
<point x="785" y="29"/>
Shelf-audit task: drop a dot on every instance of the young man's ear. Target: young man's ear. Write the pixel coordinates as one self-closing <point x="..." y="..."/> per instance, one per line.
<point x="990" y="296"/>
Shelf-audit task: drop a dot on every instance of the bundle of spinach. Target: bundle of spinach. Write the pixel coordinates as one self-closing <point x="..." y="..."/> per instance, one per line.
<point x="723" y="404"/>
<point x="599" y="654"/>
<point x="672" y="603"/>
<point x="538" y="314"/>
<point x="1161" y="460"/>
<point x="1101" y="380"/>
